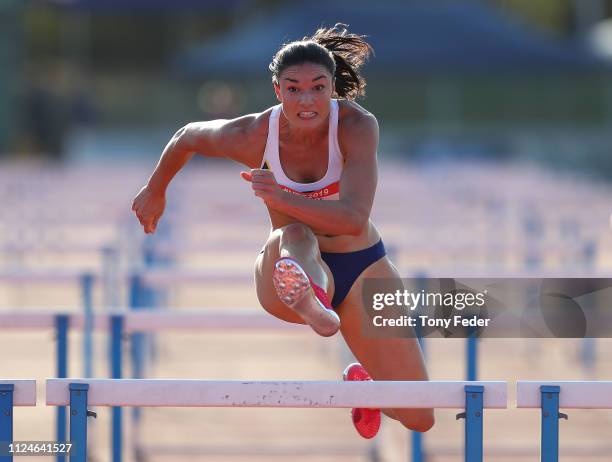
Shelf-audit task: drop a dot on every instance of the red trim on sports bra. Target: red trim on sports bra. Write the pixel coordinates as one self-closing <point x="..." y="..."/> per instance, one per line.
<point x="333" y="188"/>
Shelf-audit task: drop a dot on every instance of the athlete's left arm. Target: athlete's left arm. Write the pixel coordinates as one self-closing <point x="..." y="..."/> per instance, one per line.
<point x="351" y="213"/>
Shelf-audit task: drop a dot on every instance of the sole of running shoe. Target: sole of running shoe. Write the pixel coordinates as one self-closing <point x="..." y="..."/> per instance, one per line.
<point x="294" y="290"/>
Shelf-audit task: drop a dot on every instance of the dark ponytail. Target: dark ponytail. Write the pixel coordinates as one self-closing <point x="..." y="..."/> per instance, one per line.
<point x="341" y="52"/>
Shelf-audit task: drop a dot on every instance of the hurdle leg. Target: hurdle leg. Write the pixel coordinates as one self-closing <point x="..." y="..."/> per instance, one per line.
<point x="87" y="281"/>
<point x="549" y="451"/>
<point x="416" y="438"/>
<point x="78" y="421"/>
<point x="116" y="366"/>
<point x="472" y="357"/>
<point x="6" y="417"/>
<point x="416" y="447"/>
<point x="473" y="422"/>
<point x="140" y="296"/>
<point x="61" y="326"/>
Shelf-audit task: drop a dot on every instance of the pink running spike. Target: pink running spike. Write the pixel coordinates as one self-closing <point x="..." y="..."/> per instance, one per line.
<point x="366" y="421"/>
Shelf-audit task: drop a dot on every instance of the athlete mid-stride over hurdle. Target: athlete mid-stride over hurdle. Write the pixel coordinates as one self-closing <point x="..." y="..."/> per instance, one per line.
<point x="312" y="160"/>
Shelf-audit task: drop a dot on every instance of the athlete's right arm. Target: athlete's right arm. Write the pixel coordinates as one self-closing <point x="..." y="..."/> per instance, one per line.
<point x="242" y="139"/>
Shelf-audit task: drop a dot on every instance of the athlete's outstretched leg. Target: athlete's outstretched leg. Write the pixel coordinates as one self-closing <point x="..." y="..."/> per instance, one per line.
<point x="392" y="356"/>
<point x="293" y="283"/>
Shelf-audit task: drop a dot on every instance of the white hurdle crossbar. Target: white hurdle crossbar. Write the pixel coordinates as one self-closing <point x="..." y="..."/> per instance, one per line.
<point x="550" y="396"/>
<point x="298" y="394"/>
<point x="473" y="397"/>
<point x="13" y="393"/>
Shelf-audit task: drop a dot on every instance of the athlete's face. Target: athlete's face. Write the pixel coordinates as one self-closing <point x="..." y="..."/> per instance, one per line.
<point x="305" y="91"/>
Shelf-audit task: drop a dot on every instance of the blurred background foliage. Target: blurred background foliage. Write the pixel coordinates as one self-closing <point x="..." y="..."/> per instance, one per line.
<point x="84" y="79"/>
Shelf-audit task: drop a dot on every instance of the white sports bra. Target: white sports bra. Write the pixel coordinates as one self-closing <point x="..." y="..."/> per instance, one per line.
<point x="327" y="187"/>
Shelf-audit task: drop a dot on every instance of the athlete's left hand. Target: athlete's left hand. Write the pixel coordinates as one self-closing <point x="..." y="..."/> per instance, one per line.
<point x="265" y="186"/>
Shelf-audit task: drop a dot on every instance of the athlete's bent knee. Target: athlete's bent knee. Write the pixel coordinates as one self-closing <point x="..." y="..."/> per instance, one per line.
<point x="297" y="232"/>
<point x="419" y="421"/>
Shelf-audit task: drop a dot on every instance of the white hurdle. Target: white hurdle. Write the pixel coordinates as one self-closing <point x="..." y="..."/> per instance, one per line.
<point x="13" y="393"/>
<point x="551" y="396"/>
<point x="574" y="394"/>
<point x="473" y="397"/>
<point x="23" y="392"/>
<point x="302" y="394"/>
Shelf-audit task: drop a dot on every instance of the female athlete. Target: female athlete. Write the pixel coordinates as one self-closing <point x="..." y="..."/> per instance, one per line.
<point x="312" y="160"/>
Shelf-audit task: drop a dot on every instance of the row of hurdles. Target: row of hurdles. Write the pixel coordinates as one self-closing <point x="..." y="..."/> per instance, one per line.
<point x="471" y="397"/>
<point x="120" y="323"/>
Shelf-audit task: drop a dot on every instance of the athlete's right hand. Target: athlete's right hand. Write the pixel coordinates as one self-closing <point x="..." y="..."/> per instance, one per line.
<point x="149" y="206"/>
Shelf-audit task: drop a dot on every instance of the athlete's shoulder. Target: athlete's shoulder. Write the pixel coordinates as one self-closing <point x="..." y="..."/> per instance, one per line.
<point x="255" y="124"/>
<point x="357" y="128"/>
<point x="353" y="118"/>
